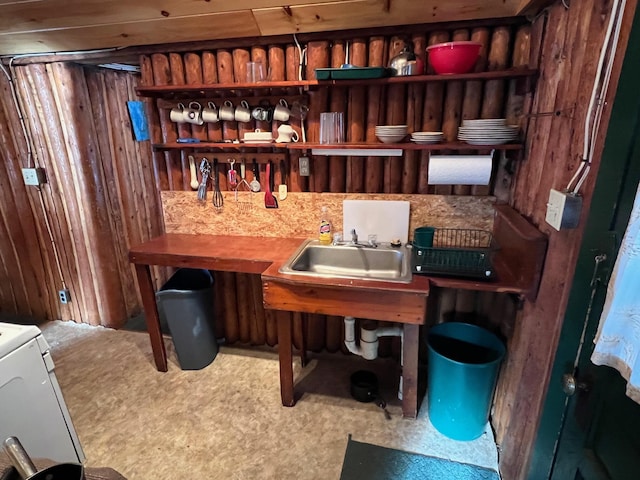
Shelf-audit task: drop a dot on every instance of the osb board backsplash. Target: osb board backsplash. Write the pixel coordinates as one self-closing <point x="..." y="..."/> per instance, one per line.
<point x="299" y="214"/>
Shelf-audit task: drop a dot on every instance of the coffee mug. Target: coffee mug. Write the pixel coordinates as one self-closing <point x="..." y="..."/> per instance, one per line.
<point x="243" y="112"/>
<point x="177" y="113"/>
<point x="286" y="134"/>
<point x="210" y="113"/>
<point x="282" y="112"/>
<point x="264" y="114"/>
<point x="193" y="114"/>
<point x="226" y="111"/>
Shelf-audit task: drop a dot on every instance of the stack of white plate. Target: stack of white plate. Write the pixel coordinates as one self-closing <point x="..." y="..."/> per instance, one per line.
<point x="425" y="138"/>
<point x="493" y="131"/>
<point x="391" y="133"/>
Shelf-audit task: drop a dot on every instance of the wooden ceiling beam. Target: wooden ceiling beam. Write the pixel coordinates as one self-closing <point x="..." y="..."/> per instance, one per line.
<point x="38" y="27"/>
<point x="532" y="7"/>
<point x="375" y="13"/>
<point x="128" y="54"/>
<point x="53" y="14"/>
<point x="200" y="27"/>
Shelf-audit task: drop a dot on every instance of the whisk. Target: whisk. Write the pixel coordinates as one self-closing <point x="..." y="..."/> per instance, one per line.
<point x="244" y="206"/>
<point x="218" y="199"/>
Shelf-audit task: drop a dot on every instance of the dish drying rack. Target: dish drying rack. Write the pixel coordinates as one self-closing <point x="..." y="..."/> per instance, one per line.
<point x="457" y="252"/>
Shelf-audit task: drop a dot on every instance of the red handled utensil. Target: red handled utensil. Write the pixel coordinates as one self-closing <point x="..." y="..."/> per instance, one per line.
<point x="269" y="200"/>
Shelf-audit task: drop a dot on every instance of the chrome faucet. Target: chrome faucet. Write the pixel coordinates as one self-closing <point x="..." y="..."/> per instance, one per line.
<point x="354" y="237"/>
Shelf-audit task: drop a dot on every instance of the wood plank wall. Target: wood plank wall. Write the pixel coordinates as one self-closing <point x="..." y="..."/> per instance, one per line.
<point x="568" y="43"/>
<point x="435" y="106"/>
<point x="99" y="198"/>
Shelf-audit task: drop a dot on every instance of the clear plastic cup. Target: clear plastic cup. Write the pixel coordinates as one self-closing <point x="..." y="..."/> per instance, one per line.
<point x="331" y="127"/>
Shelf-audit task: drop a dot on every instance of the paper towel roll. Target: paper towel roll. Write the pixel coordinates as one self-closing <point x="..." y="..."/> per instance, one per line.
<point x="460" y="169"/>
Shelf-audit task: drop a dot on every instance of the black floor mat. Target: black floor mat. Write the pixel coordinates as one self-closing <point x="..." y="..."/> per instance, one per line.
<point x="363" y="460"/>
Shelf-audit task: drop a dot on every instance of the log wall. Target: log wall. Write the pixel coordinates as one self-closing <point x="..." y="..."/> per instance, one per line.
<point x="433" y="106"/>
<point x="100" y="196"/>
<point x="567" y="44"/>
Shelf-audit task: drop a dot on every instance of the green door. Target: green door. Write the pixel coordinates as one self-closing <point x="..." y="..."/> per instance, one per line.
<point x="590" y="429"/>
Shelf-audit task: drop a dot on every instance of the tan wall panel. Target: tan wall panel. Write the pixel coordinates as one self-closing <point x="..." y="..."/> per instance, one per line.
<point x="299" y="214"/>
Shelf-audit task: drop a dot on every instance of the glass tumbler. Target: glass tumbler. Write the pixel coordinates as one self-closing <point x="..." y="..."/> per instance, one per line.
<point x="331" y="127"/>
<point x="255" y="72"/>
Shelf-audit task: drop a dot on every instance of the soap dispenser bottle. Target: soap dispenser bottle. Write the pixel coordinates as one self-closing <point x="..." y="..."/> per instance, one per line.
<point x="325" y="227"/>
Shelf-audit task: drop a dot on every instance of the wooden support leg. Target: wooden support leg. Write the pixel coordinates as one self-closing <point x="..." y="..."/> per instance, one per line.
<point x="410" y="371"/>
<point x="285" y="355"/>
<point x="304" y="319"/>
<point x="147" y="293"/>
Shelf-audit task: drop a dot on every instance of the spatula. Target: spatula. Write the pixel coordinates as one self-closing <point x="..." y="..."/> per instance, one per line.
<point x="269" y="200"/>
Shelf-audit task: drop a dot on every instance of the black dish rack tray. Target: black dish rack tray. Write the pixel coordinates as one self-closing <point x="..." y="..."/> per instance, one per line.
<point x="458" y="253"/>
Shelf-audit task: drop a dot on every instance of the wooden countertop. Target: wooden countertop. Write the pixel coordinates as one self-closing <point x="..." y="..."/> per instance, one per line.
<point x="260" y="255"/>
<point x="518" y="262"/>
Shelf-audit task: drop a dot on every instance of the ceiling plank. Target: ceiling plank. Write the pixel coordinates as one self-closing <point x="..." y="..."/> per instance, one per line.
<point x="532" y="7"/>
<point x="375" y="13"/>
<point x="195" y="28"/>
<point x="51" y="14"/>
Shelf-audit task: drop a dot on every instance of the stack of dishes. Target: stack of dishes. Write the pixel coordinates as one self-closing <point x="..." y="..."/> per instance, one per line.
<point x="493" y="131"/>
<point x="425" y="138"/>
<point x="391" y="133"/>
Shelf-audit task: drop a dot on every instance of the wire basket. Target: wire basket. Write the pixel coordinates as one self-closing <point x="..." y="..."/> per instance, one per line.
<point x="457" y="252"/>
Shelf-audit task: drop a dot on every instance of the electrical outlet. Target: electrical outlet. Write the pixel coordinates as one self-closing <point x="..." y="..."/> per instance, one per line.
<point x="34" y="176"/>
<point x="65" y="296"/>
<point x="563" y="209"/>
<point x="304" y="166"/>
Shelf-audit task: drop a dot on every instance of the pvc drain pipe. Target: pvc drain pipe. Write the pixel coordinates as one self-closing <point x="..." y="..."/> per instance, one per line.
<point x="368" y="348"/>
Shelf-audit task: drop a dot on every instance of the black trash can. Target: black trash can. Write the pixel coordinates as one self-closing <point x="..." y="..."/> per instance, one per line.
<point x="185" y="303"/>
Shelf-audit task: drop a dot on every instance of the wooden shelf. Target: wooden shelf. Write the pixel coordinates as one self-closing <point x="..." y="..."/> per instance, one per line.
<point x="171" y="91"/>
<point x="338" y="146"/>
<point x="493" y="75"/>
<point x="216" y="146"/>
<point x="403" y="146"/>
<point x="202" y="89"/>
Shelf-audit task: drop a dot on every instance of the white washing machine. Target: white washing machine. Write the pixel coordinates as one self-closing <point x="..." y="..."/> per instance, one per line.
<point x="31" y="404"/>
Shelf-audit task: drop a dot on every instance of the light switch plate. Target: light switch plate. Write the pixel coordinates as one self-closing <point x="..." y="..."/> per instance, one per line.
<point x="563" y="209"/>
<point x="304" y="166"/>
<point x="34" y="176"/>
<point x="388" y="219"/>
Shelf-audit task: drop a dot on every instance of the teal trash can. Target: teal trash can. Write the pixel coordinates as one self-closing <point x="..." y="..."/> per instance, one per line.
<point x="185" y="303"/>
<point x="464" y="360"/>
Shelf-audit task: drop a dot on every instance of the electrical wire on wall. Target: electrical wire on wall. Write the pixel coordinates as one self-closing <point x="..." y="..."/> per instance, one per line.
<point x="31" y="155"/>
<point x="599" y="92"/>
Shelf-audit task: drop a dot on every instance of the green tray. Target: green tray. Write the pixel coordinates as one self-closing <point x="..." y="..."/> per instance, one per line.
<point x="353" y="73"/>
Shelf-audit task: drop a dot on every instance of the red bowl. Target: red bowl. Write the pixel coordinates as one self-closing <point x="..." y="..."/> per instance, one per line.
<point x="453" y="57"/>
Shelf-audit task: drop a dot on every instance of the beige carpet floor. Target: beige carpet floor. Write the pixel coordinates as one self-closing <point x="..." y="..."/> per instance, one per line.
<point x="226" y="421"/>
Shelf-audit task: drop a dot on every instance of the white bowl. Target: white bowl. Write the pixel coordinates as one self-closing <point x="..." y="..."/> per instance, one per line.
<point x="391" y="138"/>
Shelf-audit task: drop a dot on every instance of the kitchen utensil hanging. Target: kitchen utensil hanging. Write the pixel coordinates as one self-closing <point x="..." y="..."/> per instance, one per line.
<point x="218" y="199"/>
<point x="243" y="192"/>
<point x="192" y="170"/>
<point x="269" y="200"/>
<point x="282" y="188"/>
<point x="205" y="169"/>
<point x="255" y="183"/>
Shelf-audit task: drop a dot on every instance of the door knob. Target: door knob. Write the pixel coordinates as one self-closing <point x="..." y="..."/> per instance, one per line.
<point x="570" y="384"/>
